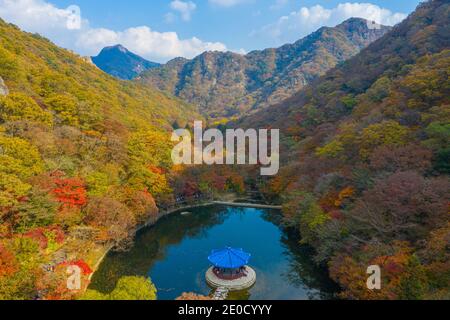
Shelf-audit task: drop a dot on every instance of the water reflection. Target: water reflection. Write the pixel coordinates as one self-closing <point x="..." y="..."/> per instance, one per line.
<point x="174" y="254"/>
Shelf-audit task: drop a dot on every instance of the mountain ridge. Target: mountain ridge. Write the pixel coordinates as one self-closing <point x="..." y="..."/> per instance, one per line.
<point x="226" y="84"/>
<point x="358" y="73"/>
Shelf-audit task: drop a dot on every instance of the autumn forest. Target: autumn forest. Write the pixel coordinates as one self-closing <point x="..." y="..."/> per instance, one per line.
<point x="85" y="158"/>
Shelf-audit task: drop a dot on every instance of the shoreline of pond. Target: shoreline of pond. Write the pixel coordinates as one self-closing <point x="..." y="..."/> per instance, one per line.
<point x="213" y="225"/>
<point x="152" y="221"/>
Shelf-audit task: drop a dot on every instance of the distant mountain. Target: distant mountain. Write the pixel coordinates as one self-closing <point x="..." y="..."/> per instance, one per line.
<point x="229" y="84"/>
<point x="119" y="62"/>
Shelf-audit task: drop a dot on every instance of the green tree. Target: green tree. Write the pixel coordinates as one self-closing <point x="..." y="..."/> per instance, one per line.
<point x="413" y="283"/>
<point x="349" y="101"/>
<point x="65" y="107"/>
<point x="438" y="140"/>
<point x="438" y="134"/>
<point x="97" y="183"/>
<point x="386" y="133"/>
<point x="92" y="295"/>
<point x="150" y="148"/>
<point x="134" y="288"/>
<point x="11" y="189"/>
<point x="38" y="211"/>
<point x="9" y="64"/>
<point x="303" y="212"/>
<point x="19" y="157"/>
<point x="127" y="288"/>
<point x="22" y="284"/>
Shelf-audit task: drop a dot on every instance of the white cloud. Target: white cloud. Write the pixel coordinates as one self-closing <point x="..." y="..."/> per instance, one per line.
<point x="300" y="23"/>
<point x="279" y="4"/>
<point x="184" y="8"/>
<point x="159" y="46"/>
<point x="37" y="15"/>
<point x="57" y="24"/>
<point x="169" y="17"/>
<point x="227" y="3"/>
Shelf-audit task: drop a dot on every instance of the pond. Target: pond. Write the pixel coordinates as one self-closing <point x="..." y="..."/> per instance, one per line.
<point x="174" y="252"/>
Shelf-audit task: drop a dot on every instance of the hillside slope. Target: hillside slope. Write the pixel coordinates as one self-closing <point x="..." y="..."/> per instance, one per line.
<point x="83" y="158"/>
<point x="366" y="153"/>
<point x="424" y="32"/>
<point x="229" y="84"/>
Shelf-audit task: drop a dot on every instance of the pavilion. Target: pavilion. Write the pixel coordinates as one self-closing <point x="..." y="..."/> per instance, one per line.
<point x="230" y="269"/>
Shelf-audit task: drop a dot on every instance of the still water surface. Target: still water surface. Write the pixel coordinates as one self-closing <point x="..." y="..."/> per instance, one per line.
<point x="174" y="252"/>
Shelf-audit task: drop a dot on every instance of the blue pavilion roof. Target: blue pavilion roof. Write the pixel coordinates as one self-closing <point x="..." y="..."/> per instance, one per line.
<point x="229" y="258"/>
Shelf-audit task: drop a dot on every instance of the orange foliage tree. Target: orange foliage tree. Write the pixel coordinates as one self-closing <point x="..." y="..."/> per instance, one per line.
<point x="8" y="263"/>
<point x="71" y="192"/>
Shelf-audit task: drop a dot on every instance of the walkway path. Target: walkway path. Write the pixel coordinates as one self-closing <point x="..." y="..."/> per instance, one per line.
<point x="248" y="205"/>
<point x="221" y="294"/>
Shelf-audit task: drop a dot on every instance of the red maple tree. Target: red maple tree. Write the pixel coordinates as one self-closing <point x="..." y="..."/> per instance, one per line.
<point x="71" y="192"/>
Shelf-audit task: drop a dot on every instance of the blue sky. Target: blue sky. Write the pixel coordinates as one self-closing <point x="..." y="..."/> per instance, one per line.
<point x="162" y="29"/>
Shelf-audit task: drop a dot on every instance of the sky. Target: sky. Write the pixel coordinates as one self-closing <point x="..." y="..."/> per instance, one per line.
<point x="160" y="30"/>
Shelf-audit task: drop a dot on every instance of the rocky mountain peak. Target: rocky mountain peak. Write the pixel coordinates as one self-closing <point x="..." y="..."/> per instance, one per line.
<point x="119" y="62"/>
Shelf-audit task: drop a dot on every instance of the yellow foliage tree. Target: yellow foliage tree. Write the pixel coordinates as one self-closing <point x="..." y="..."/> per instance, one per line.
<point x="17" y="106"/>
